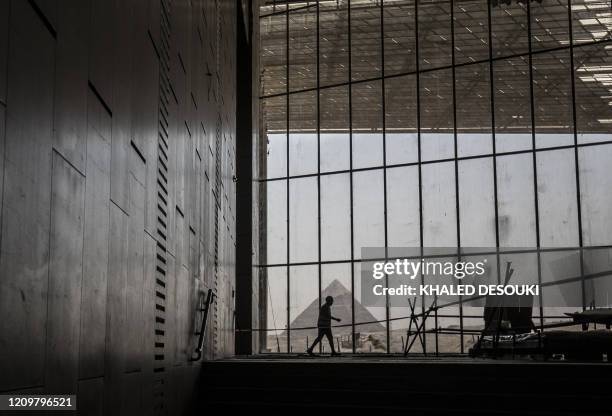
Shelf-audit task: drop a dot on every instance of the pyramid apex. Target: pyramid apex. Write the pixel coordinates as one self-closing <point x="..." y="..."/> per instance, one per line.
<point x="335" y="288"/>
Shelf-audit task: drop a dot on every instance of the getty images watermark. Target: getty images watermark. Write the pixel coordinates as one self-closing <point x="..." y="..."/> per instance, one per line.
<point x="411" y="269"/>
<point x="479" y="276"/>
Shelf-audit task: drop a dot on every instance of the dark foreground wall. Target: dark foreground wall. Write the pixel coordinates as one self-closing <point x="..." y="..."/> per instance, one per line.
<point x="458" y="386"/>
<point x="117" y="149"/>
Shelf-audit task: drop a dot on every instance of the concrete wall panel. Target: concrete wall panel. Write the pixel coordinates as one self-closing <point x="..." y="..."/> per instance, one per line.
<point x="24" y="256"/>
<point x="122" y="102"/>
<point x="101" y="60"/>
<point x="96" y="242"/>
<point x="65" y="277"/>
<point x="70" y="122"/>
<point x="111" y="218"/>
<point x="180" y="290"/>
<point x="171" y="320"/>
<point x="183" y="310"/>
<point x="116" y="320"/>
<point x="172" y="173"/>
<point x="90" y="401"/>
<point x="131" y="395"/>
<point x="48" y="9"/>
<point x="145" y="96"/>
<point x="2" y="140"/>
<point x="4" y="37"/>
<point x="135" y="277"/>
<point x="155" y="22"/>
<point x="149" y="358"/>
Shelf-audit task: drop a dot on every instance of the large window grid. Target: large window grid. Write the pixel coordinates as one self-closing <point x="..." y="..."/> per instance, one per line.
<point x="517" y="141"/>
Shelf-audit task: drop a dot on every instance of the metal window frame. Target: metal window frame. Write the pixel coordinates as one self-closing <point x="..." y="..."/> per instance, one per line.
<point x="493" y="155"/>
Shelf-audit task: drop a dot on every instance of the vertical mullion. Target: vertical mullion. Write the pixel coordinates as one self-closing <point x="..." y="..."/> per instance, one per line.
<point x="534" y="162"/>
<point x="493" y="142"/>
<point x="576" y="155"/>
<point x="384" y="137"/>
<point x="287" y="182"/>
<point x="350" y="105"/>
<point x="452" y="18"/>
<point x="419" y="160"/>
<point x="318" y="156"/>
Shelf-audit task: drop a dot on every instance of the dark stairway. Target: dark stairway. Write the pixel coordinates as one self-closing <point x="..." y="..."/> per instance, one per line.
<point x="427" y="387"/>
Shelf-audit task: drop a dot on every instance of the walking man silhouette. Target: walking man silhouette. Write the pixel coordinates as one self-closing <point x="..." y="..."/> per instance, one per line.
<point x="324" y="325"/>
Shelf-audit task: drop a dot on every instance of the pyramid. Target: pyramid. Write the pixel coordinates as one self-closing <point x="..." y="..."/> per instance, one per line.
<point x="340" y="309"/>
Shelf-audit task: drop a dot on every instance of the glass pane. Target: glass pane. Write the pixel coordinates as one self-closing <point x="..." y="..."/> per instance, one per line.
<point x="303" y="306"/>
<point x="525" y="267"/>
<point x="368" y="212"/>
<point x="557" y="198"/>
<point x="439" y="213"/>
<point x="303" y="133"/>
<point x="472" y="326"/>
<point x="401" y="120"/>
<point x="366" y="54"/>
<point x="552" y="95"/>
<point x="592" y="20"/>
<point x="403" y="207"/>
<point x="333" y="43"/>
<point x="274" y="7"/>
<point x="335" y="217"/>
<point x="367" y="124"/>
<point x="471" y="30"/>
<point x="303" y="49"/>
<point x="477" y="202"/>
<point x="336" y="282"/>
<point x="560" y="298"/>
<point x="434" y="33"/>
<point x="473" y="110"/>
<point x="276" y="222"/>
<point x="370" y="322"/>
<point x="568" y="295"/>
<point x="436" y="96"/>
<point x="448" y="341"/>
<point x="596" y="204"/>
<point x="273" y="54"/>
<point x="303" y="226"/>
<point x="593" y="75"/>
<point x="598" y="292"/>
<point x="400" y="36"/>
<point x="525" y="271"/>
<point x="559" y="265"/>
<point x="274" y="117"/>
<point x="276" y="309"/>
<point x="335" y="127"/>
<point x="398" y="314"/>
<point x="515" y="199"/>
<point x="549" y="24"/>
<point x="509" y="28"/>
<point x="512" y="105"/>
<point x="293" y="6"/>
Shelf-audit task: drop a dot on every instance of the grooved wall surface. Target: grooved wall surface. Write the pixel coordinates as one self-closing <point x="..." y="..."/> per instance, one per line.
<point x="117" y="153"/>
